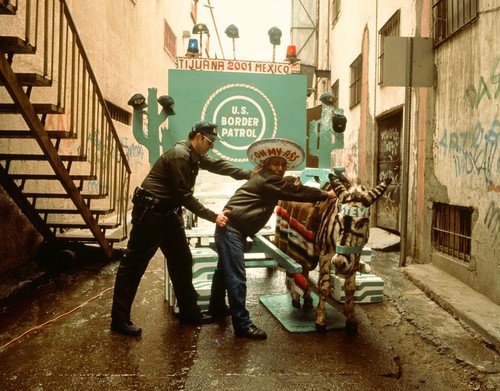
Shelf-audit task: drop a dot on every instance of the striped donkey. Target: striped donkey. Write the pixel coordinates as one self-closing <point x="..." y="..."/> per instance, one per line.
<point x="332" y="232"/>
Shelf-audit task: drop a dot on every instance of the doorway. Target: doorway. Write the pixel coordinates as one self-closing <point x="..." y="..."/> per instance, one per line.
<point x="388" y="159"/>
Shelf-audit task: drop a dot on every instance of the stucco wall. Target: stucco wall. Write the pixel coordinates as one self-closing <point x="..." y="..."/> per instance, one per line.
<point x="466" y="150"/>
<point x="125" y="44"/>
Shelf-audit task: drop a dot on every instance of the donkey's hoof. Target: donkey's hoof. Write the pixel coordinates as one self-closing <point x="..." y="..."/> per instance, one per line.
<point x="321" y="328"/>
<point x="296" y="303"/>
<point x="351" y="326"/>
<point x="308" y="303"/>
<point x="364" y="268"/>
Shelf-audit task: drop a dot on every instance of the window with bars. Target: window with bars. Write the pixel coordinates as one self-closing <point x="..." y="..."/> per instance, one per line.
<point x="335" y="11"/>
<point x="355" y="86"/>
<point x="170" y="44"/>
<point x="451" y="230"/>
<point x="390" y="29"/>
<point x="335" y="93"/>
<point x="450" y="16"/>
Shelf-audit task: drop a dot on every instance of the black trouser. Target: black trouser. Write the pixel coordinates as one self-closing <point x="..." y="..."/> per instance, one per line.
<point x="163" y="230"/>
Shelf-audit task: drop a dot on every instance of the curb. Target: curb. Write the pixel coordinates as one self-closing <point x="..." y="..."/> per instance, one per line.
<point x="472" y="308"/>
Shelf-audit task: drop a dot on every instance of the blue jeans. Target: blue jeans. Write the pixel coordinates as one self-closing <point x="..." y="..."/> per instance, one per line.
<point x="230" y="276"/>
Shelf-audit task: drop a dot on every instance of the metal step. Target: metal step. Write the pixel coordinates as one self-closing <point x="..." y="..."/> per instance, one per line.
<point x="52" y="177"/>
<point x="16" y="45"/>
<point x="53" y="134"/>
<point x="65" y="195"/>
<point x="40" y="108"/>
<point x="31" y="80"/>
<point x="17" y="156"/>
<point x="73" y="211"/>
<point x="105" y="225"/>
<point x="87" y="237"/>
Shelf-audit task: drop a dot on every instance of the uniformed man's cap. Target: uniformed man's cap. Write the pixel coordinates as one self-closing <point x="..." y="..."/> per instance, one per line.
<point x="205" y="127"/>
<point x="339" y="121"/>
<point x="137" y="101"/>
<point x="167" y="103"/>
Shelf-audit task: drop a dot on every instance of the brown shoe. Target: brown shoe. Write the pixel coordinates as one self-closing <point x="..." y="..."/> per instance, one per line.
<point x="252" y="332"/>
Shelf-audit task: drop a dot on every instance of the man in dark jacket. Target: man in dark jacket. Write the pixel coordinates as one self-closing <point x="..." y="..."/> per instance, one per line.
<point x="249" y="210"/>
<point x="157" y="223"/>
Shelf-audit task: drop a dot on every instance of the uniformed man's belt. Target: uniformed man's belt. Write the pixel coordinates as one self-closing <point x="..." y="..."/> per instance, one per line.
<point x="141" y="195"/>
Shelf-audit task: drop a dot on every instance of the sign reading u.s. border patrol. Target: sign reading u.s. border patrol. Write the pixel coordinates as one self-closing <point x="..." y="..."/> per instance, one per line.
<point x="245" y="106"/>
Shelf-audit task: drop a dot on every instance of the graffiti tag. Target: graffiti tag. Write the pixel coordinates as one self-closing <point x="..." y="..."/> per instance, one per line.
<point x="475" y="95"/>
<point x="475" y="151"/>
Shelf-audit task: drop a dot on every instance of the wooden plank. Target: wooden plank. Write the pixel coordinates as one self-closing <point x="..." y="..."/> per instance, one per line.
<point x="87" y="237"/>
<point x="63" y="224"/>
<point x="40" y="108"/>
<point x="261" y="263"/>
<point x="53" y="134"/>
<point x="209" y="232"/>
<point x="50" y="177"/>
<point x="283" y="259"/>
<point x="32" y="79"/>
<point x="16" y="45"/>
<point x="18" y="156"/>
<point x="64" y="195"/>
<point x="74" y="211"/>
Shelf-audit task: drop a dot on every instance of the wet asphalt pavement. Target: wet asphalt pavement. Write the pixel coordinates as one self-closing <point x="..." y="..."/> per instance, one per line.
<point x="68" y="344"/>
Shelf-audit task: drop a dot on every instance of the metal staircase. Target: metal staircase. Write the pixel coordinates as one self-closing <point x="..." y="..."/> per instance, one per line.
<point x="61" y="160"/>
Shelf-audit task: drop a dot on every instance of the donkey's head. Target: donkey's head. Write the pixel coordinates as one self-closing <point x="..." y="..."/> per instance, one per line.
<point x="351" y="227"/>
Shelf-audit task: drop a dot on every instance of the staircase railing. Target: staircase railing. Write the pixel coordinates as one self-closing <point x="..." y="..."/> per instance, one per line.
<point x="89" y="160"/>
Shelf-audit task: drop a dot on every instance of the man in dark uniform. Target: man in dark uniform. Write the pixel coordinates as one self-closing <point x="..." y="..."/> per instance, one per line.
<point x="157" y="223"/>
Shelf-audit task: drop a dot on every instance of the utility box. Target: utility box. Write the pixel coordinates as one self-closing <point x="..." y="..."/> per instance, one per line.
<point x="369" y="288"/>
<point x="204" y="263"/>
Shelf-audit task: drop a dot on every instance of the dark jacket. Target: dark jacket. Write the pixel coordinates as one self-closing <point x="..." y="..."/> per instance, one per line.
<point x="173" y="176"/>
<point x="253" y="203"/>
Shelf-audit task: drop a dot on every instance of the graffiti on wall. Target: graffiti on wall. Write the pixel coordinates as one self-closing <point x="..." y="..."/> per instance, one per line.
<point x="134" y="153"/>
<point x="492" y="219"/>
<point x="476" y="94"/>
<point x="475" y="151"/>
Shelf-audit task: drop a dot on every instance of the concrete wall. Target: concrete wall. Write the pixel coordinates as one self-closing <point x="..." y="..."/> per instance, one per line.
<point x="466" y="144"/>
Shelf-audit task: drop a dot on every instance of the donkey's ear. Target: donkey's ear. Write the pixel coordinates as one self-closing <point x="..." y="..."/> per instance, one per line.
<point x="373" y="194"/>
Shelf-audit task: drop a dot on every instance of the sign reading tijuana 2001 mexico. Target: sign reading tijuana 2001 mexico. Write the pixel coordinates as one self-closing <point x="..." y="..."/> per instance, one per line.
<point x="246" y="107"/>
